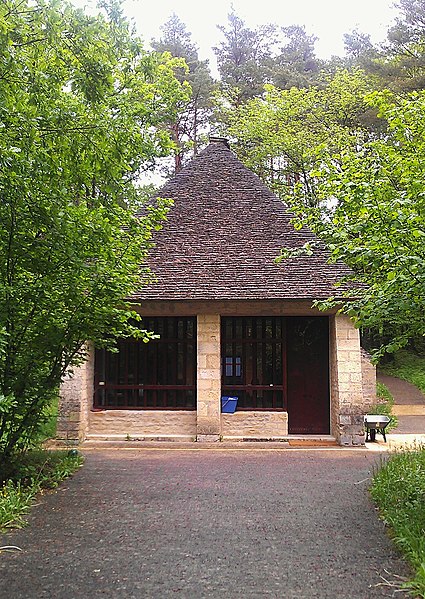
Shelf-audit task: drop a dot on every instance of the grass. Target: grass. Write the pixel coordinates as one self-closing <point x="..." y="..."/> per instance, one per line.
<point x="407" y="366"/>
<point x="28" y="474"/>
<point x="398" y="488"/>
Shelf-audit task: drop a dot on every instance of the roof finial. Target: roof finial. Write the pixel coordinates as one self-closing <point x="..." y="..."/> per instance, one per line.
<point x="221" y="140"/>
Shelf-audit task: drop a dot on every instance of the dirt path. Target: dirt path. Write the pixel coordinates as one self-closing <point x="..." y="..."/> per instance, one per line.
<point x="409" y="405"/>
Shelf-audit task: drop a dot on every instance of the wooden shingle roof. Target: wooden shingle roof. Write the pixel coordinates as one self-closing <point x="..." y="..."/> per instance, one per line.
<point x="222" y="235"/>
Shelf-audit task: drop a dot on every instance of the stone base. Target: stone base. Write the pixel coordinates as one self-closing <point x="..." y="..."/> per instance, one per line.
<point x="137" y="424"/>
<point x="207" y="438"/>
<point x="254" y="425"/>
<point x="135" y="438"/>
<point x="351" y="429"/>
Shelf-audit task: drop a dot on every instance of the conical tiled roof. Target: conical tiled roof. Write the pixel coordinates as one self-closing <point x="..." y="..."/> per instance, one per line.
<point x="222" y="235"/>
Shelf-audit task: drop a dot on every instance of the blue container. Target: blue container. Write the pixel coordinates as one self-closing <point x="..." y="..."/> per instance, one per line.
<point x="229" y="404"/>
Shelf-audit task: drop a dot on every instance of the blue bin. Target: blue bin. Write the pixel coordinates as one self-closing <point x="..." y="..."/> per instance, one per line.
<point x="229" y="404"/>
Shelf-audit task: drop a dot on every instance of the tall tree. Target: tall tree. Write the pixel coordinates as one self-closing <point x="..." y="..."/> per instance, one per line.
<point x="358" y="45"/>
<point x="378" y="224"/>
<point x="194" y="114"/>
<point x="403" y="63"/>
<point x="296" y="65"/>
<point x="82" y="108"/>
<point x="244" y="58"/>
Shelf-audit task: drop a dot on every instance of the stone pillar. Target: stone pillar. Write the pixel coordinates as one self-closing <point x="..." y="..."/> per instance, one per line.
<point x="346" y="382"/>
<point x="208" y="378"/>
<point x="368" y="380"/>
<point x="75" y="401"/>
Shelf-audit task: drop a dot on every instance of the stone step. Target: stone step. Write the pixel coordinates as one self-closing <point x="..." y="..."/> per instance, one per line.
<point x="408" y="410"/>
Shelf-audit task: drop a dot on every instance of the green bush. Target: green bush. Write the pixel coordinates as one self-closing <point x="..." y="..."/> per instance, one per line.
<point x="28" y="474"/>
<point x="49" y="421"/>
<point x="398" y="488"/>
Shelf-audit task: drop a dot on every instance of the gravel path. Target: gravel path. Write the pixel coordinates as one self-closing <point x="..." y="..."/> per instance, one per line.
<point x="228" y="524"/>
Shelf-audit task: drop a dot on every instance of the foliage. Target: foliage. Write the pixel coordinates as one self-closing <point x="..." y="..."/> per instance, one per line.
<point x="28" y="474"/>
<point x="296" y="64"/>
<point x="283" y="135"/>
<point x="407" y="366"/>
<point x="194" y="113"/>
<point x="377" y="225"/>
<point x="403" y="63"/>
<point x="48" y="423"/>
<point x="15" y="503"/>
<point x="398" y="488"/>
<point x="244" y="58"/>
<point x="82" y="112"/>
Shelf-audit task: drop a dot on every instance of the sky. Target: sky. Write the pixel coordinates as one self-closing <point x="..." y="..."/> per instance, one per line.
<point x="327" y="19"/>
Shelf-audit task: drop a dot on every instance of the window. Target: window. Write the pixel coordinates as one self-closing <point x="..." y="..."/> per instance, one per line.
<point x="233" y="366"/>
<point x="253" y="361"/>
<point x="157" y="375"/>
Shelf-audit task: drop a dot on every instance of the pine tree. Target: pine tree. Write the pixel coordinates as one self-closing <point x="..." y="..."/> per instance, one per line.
<point x="194" y="115"/>
<point x="244" y="58"/>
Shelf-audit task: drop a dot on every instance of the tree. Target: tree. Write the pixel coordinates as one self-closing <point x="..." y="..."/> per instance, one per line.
<point x="296" y="65"/>
<point x="193" y="114"/>
<point x="377" y="226"/>
<point x="244" y="59"/>
<point x="82" y="109"/>
<point x="358" y="46"/>
<point x="402" y="64"/>
<point x="282" y="135"/>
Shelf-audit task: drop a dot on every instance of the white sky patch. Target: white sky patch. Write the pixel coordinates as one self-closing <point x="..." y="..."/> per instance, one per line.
<point x="326" y="19"/>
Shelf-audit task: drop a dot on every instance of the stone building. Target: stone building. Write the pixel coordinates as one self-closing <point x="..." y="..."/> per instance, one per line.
<point x="232" y="323"/>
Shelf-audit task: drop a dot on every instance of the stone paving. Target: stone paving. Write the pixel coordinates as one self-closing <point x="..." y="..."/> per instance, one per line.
<point x="223" y="523"/>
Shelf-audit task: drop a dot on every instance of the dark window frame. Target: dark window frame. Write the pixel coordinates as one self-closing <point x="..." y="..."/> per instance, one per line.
<point x="260" y="343"/>
<point x="158" y="375"/>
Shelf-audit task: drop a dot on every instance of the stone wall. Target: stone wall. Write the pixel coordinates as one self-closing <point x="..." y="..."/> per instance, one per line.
<point x="75" y="401"/>
<point x="368" y="381"/>
<point x="208" y="378"/>
<point x="254" y="425"/>
<point x="347" y="405"/>
<point x="352" y="390"/>
<point x="142" y="424"/>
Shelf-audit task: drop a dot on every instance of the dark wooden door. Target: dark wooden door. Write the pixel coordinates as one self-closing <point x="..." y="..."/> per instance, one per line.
<point x="307" y="347"/>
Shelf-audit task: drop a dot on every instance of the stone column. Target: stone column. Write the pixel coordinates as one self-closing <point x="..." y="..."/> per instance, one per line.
<point x="346" y="382"/>
<point x="368" y="380"/>
<point x="75" y="401"/>
<point x="208" y="378"/>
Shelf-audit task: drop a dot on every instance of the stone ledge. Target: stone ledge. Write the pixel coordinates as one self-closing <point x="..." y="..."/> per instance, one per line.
<point x="254" y="425"/>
